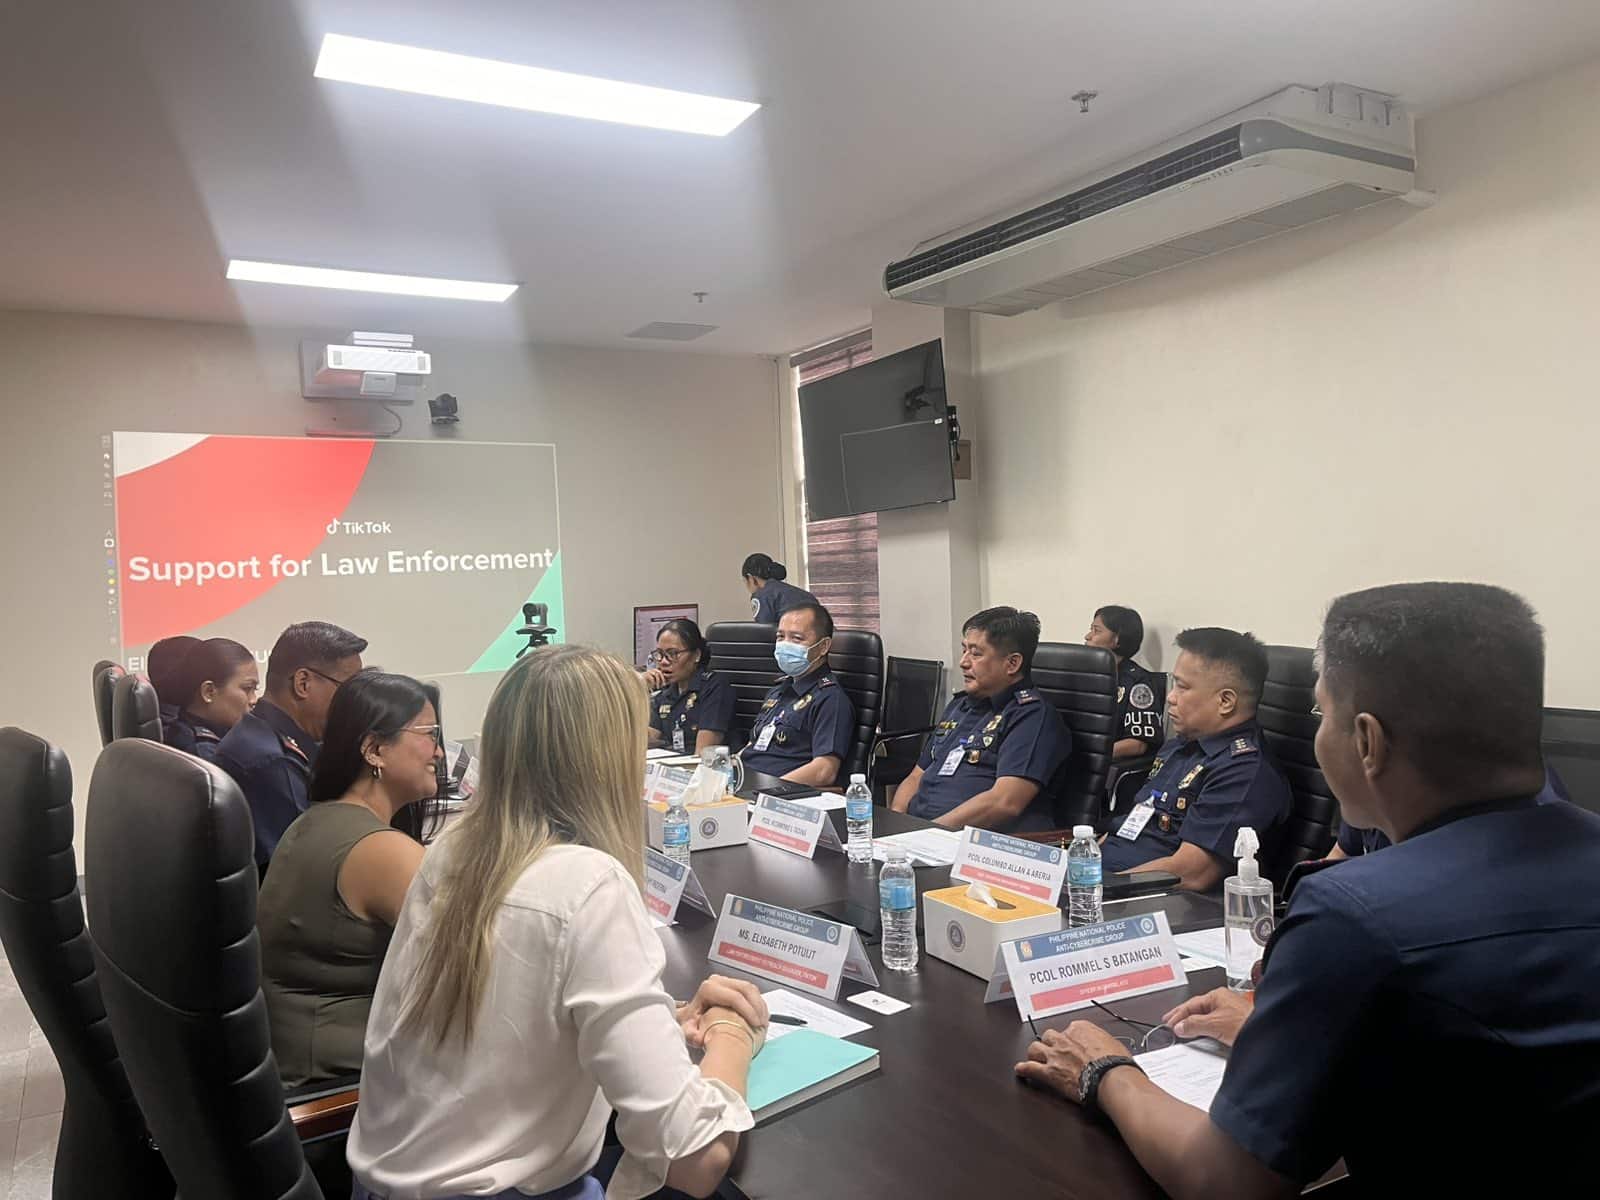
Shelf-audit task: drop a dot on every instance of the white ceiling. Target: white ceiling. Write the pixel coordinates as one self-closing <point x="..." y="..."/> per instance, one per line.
<point x="145" y="142"/>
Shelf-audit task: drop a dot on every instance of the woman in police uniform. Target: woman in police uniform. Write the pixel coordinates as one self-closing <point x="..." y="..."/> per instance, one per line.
<point x="770" y="596"/>
<point x="692" y="705"/>
<point x="213" y="687"/>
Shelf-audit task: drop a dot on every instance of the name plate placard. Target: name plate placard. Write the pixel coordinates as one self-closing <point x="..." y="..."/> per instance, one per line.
<point x="1058" y="972"/>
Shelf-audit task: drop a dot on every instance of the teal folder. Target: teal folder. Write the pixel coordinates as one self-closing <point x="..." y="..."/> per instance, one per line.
<point x="801" y="1066"/>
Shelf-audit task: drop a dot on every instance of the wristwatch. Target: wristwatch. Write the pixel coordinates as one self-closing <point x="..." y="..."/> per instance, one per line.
<point x="1093" y="1072"/>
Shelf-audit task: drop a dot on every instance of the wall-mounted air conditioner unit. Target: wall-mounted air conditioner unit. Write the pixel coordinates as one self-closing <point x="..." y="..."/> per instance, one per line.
<point x="1299" y="156"/>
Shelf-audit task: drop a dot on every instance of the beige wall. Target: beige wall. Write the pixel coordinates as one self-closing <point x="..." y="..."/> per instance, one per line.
<point x="624" y="423"/>
<point x="1399" y="394"/>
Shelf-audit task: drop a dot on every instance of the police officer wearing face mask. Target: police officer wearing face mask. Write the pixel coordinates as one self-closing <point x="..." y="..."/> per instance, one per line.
<point x="997" y="747"/>
<point x="806" y="723"/>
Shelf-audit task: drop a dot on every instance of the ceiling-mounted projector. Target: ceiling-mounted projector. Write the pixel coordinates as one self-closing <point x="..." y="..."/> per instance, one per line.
<point x="370" y="366"/>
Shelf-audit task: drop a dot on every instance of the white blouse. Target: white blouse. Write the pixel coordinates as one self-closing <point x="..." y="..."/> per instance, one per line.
<point x="574" y="1023"/>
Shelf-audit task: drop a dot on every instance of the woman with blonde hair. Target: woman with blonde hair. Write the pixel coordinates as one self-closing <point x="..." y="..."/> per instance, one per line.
<point x="521" y="1000"/>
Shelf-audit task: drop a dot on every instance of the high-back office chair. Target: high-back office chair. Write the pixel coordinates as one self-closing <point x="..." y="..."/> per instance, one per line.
<point x="173" y="909"/>
<point x="104" y="681"/>
<point x="104" y="1149"/>
<point x="1571" y="741"/>
<point x="135" y="710"/>
<point x="1289" y="731"/>
<point x="741" y="652"/>
<point x="1081" y="682"/>
<point x="856" y="658"/>
<point x="912" y="689"/>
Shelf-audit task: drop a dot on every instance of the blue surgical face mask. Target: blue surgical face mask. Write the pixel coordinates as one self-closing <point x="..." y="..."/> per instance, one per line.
<point x="793" y="659"/>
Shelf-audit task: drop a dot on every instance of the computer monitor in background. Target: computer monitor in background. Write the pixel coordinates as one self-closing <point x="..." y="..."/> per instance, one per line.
<point x="878" y="436"/>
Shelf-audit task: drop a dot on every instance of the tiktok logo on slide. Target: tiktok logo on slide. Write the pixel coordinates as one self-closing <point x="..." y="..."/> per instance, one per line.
<point x="359" y="527"/>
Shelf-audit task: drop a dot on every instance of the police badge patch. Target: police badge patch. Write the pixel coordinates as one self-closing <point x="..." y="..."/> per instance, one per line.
<point x="1142" y="696"/>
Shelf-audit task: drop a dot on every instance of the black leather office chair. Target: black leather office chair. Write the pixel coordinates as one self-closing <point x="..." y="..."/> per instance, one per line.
<point x="856" y="658"/>
<point x="741" y="652"/>
<point x="173" y="909"/>
<point x="1571" y="741"/>
<point x="1081" y="682"/>
<point x="1289" y="731"/>
<point x="104" y="679"/>
<point x="104" y="1149"/>
<point x="912" y="690"/>
<point x="135" y="710"/>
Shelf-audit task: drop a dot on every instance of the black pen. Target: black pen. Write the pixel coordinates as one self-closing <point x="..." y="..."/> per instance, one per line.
<point x="784" y="1019"/>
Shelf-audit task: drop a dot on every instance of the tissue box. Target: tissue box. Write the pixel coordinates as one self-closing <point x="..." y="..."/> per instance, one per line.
<point x="724" y="823"/>
<point x="967" y="933"/>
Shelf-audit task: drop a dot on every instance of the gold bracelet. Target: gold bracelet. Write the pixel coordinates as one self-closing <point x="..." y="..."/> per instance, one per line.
<point x="739" y="1025"/>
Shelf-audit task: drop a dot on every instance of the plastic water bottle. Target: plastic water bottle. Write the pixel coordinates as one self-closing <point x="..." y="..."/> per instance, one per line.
<point x="675" y="831"/>
<point x="1083" y="878"/>
<point x="1247" y="916"/>
<point x="858" y="819"/>
<point x="717" y="761"/>
<point x="897" y="905"/>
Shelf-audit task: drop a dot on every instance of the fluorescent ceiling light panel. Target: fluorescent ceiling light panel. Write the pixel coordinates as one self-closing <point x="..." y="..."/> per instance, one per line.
<point x="510" y="85"/>
<point x="367" y="281"/>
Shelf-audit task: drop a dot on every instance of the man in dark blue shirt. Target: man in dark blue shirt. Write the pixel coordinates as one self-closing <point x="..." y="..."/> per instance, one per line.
<point x="998" y="746"/>
<point x="1427" y="1013"/>
<point x="1213" y="777"/>
<point x="804" y="730"/>
<point x="271" y="751"/>
<point x="1141" y="694"/>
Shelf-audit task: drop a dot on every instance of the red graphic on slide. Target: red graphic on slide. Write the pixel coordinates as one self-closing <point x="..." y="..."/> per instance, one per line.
<point x="225" y="500"/>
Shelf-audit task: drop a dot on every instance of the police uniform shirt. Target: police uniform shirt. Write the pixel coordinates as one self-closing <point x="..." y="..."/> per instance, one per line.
<point x="1014" y="733"/>
<point x="189" y="733"/>
<point x="1355" y="841"/>
<point x="1141" y="696"/>
<point x="810" y="717"/>
<point x="774" y="598"/>
<point x="705" y="701"/>
<point x="1202" y="791"/>
<point x="270" y="758"/>
<point x="1430" y="1013"/>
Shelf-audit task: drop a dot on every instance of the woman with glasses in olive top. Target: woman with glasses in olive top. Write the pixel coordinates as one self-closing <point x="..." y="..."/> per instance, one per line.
<point x="340" y="873"/>
<point x="691" y="706"/>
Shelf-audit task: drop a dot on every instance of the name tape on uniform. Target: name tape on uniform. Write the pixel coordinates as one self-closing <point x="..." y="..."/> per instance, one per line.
<point x="666" y="883"/>
<point x="810" y="953"/>
<point x="1058" y="972"/>
<point x="792" y="826"/>
<point x="1030" y="869"/>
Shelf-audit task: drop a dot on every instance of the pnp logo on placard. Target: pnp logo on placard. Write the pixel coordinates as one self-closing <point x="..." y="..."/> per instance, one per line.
<point x="738" y="908"/>
<point x="1027" y="950"/>
<point x="708" y="827"/>
<point x="1147" y="925"/>
<point x="833" y="933"/>
<point x="957" y="936"/>
<point x="1055" y="855"/>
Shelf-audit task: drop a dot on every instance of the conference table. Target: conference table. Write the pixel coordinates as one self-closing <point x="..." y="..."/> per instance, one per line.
<point x="944" y="1115"/>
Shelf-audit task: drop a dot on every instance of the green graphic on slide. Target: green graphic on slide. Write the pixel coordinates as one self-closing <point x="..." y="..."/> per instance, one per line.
<point x="502" y="652"/>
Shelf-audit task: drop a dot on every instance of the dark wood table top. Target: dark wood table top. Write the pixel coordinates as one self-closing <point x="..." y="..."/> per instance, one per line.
<point x="945" y="1115"/>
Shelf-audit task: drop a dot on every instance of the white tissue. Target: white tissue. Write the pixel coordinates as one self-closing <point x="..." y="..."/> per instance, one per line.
<point x="980" y="893"/>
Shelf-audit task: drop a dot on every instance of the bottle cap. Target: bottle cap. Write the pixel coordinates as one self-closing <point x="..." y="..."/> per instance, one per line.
<point x="1079" y="831"/>
<point x="896" y="852"/>
<point x="858" y="778"/>
<point x="1245" y="845"/>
